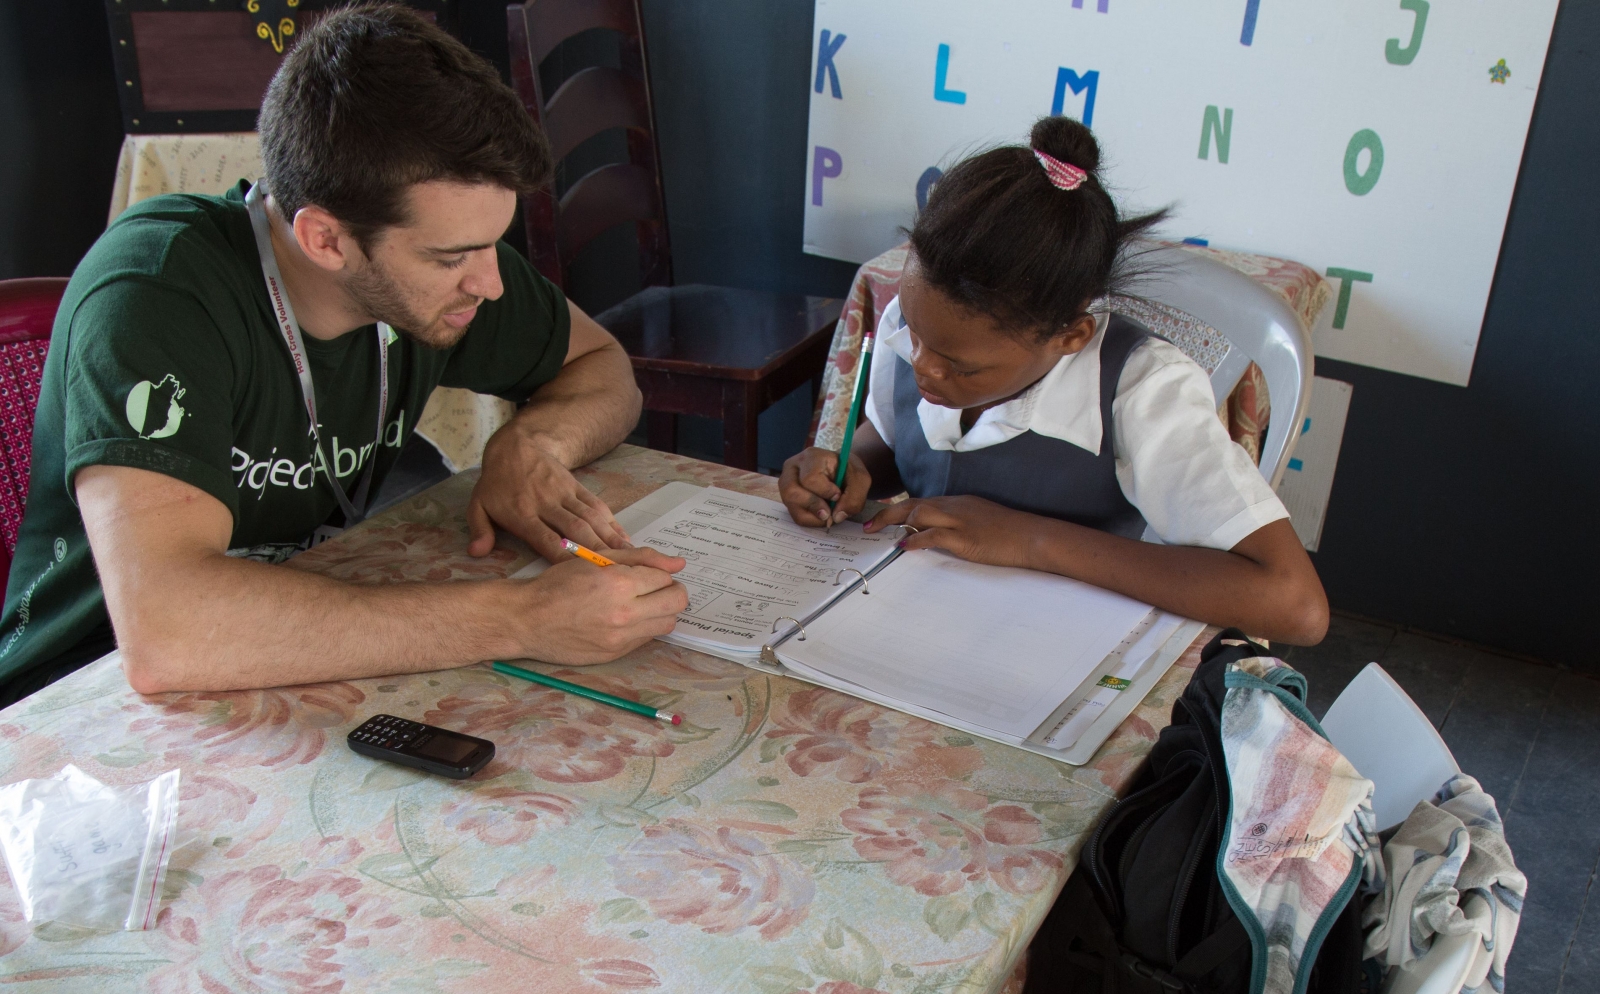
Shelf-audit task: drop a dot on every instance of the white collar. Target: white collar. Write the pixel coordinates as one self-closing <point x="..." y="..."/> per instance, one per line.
<point x="1064" y="403"/>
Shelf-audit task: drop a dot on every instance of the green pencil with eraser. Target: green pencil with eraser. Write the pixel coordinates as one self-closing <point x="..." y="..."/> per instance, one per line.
<point x="589" y="692"/>
<point x="859" y="396"/>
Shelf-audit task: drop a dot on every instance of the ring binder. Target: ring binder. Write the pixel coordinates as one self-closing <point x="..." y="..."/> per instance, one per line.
<point x="840" y="577"/>
<point x="798" y="627"/>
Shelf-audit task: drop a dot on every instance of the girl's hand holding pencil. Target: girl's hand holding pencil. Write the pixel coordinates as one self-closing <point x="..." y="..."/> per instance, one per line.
<point x="807" y="487"/>
<point x="801" y="470"/>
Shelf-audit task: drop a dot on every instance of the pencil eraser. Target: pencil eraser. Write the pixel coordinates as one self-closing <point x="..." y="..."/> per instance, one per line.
<point x="677" y="719"/>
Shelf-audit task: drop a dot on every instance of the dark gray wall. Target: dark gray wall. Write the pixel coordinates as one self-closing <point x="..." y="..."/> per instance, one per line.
<point x="1466" y="511"/>
<point x="731" y="81"/>
<point x="59" y="133"/>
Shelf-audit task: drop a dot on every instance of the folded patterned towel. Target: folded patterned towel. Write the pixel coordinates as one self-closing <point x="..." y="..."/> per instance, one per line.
<point x="1448" y="872"/>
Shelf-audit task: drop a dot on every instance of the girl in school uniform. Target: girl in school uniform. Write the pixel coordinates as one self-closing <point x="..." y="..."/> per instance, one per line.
<point x="1032" y="431"/>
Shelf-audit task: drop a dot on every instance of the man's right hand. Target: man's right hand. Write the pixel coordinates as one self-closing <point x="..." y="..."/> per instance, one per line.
<point x="190" y="617"/>
<point x="578" y="614"/>
<point x="807" y="485"/>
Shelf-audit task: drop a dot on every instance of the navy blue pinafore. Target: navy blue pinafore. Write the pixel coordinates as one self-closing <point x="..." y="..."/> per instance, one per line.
<point x="1031" y="472"/>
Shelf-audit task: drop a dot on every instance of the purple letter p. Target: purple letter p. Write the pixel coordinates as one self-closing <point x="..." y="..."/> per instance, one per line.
<point x="825" y="164"/>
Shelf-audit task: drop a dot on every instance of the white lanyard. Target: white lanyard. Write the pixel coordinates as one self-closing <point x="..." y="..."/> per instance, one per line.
<point x="255" y="203"/>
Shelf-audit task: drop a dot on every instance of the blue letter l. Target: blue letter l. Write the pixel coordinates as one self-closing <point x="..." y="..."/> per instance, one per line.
<point x="941" y="70"/>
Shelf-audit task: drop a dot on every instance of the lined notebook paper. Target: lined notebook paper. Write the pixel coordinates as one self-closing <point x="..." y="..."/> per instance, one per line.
<point x="989" y="646"/>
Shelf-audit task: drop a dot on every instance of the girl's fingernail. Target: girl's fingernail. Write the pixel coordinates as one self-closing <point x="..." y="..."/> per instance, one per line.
<point x="900" y="544"/>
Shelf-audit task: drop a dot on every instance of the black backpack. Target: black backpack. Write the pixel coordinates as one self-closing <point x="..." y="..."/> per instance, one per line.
<point x="1144" y="912"/>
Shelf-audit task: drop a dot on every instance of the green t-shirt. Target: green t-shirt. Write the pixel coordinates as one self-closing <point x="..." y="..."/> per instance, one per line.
<point x="165" y="356"/>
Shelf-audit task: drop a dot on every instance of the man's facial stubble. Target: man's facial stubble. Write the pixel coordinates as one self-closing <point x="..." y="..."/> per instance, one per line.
<point x="378" y="293"/>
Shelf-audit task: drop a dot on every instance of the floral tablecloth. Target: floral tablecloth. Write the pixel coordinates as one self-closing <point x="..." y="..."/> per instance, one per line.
<point x="785" y="838"/>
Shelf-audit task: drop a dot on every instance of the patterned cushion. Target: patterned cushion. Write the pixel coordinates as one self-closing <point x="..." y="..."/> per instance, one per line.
<point x="21" y="369"/>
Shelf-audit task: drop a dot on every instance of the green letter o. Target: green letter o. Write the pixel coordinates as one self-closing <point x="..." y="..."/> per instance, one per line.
<point x="1360" y="183"/>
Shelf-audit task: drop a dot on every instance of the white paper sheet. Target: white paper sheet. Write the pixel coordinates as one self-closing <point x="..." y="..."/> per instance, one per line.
<point x="994" y="647"/>
<point x="750" y="565"/>
<point x="1159" y="628"/>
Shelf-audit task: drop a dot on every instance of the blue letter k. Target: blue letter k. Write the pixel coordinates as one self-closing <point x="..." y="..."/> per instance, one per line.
<point x="826" y="50"/>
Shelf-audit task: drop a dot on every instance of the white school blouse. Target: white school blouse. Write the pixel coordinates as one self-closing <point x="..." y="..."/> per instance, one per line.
<point x="1175" y="462"/>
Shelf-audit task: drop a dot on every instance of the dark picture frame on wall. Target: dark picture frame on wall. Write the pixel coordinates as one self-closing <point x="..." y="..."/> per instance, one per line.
<point x="203" y="65"/>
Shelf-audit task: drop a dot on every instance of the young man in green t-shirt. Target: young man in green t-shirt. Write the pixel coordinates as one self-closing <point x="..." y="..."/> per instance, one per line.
<point x="174" y="458"/>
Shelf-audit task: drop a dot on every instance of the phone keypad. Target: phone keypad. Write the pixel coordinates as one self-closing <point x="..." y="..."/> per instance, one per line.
<point x="388" y="732"/>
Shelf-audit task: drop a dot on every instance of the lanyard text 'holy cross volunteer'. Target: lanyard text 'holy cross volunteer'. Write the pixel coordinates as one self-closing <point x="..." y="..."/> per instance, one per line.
<point x="255" y="202"/>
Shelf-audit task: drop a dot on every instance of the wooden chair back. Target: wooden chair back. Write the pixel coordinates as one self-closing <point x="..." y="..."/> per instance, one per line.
<point x="590" y="101"/>
<point x="204" y="65"/>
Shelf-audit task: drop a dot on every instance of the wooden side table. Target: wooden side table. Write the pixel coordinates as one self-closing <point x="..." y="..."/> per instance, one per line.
<point x="721" y="352"/>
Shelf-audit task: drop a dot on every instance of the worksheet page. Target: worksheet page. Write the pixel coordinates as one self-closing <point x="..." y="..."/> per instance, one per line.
<point x="750" y="565"/>
<point x="991" y="646"/>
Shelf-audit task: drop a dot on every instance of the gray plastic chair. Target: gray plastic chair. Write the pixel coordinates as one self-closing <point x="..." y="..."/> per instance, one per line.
<point x="1388" y="739"/>
<point x="1224" y="320"/>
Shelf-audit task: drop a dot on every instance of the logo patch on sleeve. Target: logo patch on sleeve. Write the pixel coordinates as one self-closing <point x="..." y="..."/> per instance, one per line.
<point x="145" y="402"/>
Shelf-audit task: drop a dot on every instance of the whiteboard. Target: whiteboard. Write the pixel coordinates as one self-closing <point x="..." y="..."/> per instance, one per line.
<point x="1336" y="134"/>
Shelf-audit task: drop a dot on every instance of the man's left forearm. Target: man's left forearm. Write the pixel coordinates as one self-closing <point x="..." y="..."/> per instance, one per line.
<point x="527" y="486"/>
<point x="582" y="414"/>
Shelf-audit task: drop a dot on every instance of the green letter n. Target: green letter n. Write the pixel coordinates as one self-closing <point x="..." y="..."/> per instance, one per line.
<point x="1222" y="124"/>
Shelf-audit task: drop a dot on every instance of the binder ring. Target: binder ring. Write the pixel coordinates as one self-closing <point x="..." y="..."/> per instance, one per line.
<point x="840" y="577"/>
<point x="910" y="529"/>
<point x="797" y="625"/>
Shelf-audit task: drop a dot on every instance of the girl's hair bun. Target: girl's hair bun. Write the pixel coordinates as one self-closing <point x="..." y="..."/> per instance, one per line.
<point x="999" y="238"/>
<point x="1067" y="140"/>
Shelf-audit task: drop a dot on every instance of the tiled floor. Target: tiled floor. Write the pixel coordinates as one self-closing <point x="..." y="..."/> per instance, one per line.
<point x="1530" y="734"/>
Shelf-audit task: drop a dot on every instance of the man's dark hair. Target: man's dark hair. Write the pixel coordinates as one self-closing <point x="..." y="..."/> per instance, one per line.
<point x="372" y="99"/>
<point x="1000" y="240"/>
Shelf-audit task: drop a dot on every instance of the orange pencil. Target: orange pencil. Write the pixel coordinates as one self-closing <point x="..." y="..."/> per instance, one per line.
<point x="568" y="545"/>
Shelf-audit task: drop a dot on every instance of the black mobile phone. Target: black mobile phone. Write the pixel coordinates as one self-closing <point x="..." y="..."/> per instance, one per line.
<point x="411" y="743"/>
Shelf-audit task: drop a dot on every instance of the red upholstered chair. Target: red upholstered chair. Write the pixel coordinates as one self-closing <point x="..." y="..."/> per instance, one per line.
<point x="27" y="312"/>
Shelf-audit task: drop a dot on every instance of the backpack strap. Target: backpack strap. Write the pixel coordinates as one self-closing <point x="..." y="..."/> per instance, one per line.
<point x="1221" y="946"/>
<point x="1215" y="949"/>
<point x="1234" y="644"/>
<point x="1139" y="977"/>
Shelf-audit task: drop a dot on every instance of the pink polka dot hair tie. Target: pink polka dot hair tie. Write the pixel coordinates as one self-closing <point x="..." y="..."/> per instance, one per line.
<point x="1063" y="175"/>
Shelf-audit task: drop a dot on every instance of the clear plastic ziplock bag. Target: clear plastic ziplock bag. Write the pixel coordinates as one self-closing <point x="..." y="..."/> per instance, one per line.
<point x="84" y="853"/>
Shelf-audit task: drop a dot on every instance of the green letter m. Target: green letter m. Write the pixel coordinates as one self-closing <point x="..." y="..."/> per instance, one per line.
<point x="1222" y="124"/>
